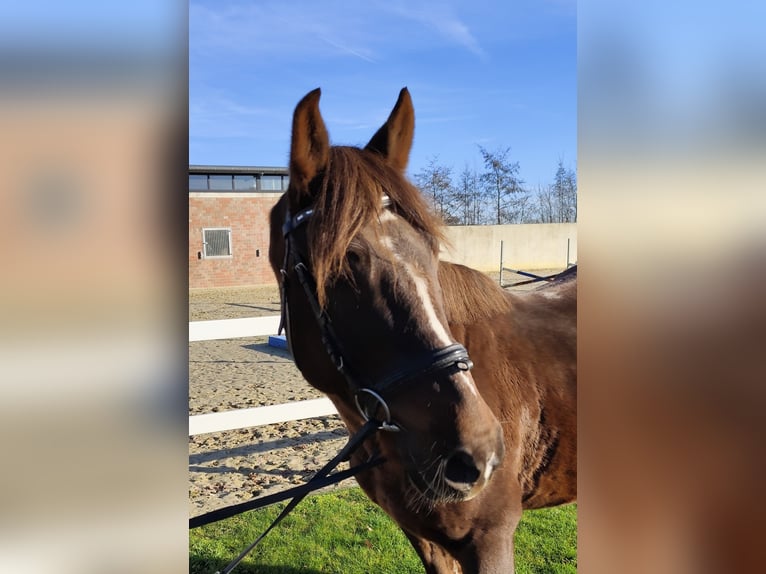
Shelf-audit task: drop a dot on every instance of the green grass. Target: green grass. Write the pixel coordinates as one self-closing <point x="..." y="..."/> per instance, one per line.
<point x="546" y="541"/>
<point x="345" y="533"/>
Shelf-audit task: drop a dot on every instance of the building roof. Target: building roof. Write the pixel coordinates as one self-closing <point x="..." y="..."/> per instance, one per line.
<point x="238" y="169"/>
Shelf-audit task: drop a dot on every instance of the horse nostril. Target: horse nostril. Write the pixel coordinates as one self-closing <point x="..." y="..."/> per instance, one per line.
<point x="461" y="469"/>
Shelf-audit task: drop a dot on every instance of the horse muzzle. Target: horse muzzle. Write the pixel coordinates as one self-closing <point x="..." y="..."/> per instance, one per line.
<point x="469" y="474"/>
<point x="459" y="475"/>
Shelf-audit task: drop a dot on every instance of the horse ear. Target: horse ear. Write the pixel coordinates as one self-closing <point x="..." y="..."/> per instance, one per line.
<point x="394" y="139"/>
<point x="310" y="145"/>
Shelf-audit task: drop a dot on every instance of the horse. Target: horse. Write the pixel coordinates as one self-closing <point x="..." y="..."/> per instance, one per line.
<point x="475" y="385"/>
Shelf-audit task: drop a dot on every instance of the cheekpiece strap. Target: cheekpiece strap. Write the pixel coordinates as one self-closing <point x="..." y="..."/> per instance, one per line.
<point x="292" y="223"/>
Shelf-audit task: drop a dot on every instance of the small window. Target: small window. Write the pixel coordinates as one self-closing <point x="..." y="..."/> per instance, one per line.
<point x="244" y="182"/>
<point x="216" y="242"/>
<point x="197" y="182"/>
<point x="271" y="183"/>
<point x="220" y="182"/>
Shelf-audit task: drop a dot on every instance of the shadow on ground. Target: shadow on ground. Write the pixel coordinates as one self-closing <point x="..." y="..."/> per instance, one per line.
<point x="268" y="349"/>
<point x="273" y="307"/>
<point x="266" y="446"/>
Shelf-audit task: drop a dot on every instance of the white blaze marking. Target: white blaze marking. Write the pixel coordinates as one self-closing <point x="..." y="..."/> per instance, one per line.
<point x="386" y="240"/>
<point x="551" y="294"/>
<point x="421" y="288"/>
<point x="468" y="382"/>
<point x="387" y="216"/>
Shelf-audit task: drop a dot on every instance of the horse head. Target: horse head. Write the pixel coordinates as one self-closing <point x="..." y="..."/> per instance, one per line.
<point x="355" y="250"/>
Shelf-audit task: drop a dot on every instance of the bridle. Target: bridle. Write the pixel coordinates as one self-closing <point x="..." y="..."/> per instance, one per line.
<point x="368" y="394"/>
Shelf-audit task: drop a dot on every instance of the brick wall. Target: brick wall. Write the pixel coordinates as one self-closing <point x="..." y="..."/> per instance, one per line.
<point x="247" y="215"/>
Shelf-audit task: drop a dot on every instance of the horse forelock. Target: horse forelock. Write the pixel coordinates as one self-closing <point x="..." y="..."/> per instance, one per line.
<point x="349" y="197"/>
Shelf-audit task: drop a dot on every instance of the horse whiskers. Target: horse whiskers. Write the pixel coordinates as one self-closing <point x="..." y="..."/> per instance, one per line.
<point x="432" y="474"/>
<point x="416" y="498"/>
<point x="416" y="501"/>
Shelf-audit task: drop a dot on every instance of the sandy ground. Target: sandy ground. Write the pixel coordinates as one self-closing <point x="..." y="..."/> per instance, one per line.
<point x="230" y="467"/>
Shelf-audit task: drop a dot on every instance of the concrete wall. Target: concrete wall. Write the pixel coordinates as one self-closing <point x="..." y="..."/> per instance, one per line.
<point x="526" y="247"/>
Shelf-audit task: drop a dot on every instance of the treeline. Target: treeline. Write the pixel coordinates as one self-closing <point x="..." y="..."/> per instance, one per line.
<point x="496" y="195"/>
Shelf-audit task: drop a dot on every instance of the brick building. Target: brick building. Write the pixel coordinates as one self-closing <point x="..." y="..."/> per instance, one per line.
<point x="229" y="224"/>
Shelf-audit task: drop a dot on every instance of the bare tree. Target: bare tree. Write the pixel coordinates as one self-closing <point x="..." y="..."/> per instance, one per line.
<point x="545" y="204"/>
<point x="565" y="193"/>
<point x="525" y="208"/>
<point x="500" y="179"/>
<point x="435" y="183"/>
<point x="557" y="202"/>
<point x="497" y="194"/>
<point x="469" y="198"/>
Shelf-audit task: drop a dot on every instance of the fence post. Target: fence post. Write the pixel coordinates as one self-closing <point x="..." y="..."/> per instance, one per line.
<point x="501" y="263"/>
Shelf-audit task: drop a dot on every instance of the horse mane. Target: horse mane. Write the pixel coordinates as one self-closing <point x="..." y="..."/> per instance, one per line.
<point x="348" y="195"/>
<point x="470" y="295"/>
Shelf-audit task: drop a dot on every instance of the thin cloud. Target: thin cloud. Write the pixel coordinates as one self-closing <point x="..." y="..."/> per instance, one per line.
<point x="442" y="19"/>
<point x="216" y="116"/>
<point x="299" y="28"/>
<point x="347" y="49"/>
<point x="458" y="32"/>
<point x="286" y="29"/>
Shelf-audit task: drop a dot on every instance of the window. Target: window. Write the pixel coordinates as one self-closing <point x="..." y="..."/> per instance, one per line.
<point x="197" y="181"/>
<point x="244" y="182"/>
<point x="239" y="182"/>
<point x="220" y="182"/>
<point x="271" y="183"/>
<point x="216" y="242"/>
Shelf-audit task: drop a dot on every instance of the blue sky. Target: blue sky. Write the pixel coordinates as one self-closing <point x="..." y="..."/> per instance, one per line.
<point x="490" y="73"/>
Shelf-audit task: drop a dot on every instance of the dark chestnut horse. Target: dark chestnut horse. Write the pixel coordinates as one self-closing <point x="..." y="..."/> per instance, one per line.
<point x="381" y="326"/>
